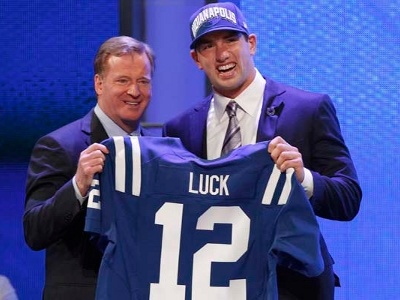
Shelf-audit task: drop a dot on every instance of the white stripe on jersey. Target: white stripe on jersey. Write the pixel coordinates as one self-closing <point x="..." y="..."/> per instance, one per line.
<point x="287" y="187"/>
<point x="120" y="171"/>
<point x="120" y="165"/>
<point x="137" y="168"/>
<point x="271" y="186"/>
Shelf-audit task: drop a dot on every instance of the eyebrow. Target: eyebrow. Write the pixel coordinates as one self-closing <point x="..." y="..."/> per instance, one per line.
<point x="227" y="35"/>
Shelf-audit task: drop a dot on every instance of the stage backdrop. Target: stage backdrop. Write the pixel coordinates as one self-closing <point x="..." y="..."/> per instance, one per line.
<point x="348" y="49"/>
<point x="46" y="74"/>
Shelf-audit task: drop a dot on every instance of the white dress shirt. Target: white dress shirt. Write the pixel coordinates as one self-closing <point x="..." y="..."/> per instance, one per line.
<point x="111" y="128"/>
<point x="248" y="114"/>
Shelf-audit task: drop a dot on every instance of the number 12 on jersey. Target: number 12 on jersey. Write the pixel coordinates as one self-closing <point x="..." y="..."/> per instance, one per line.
<point x="170" y="217"/>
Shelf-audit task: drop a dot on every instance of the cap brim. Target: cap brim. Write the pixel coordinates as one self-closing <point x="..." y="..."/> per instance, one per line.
<point x="196" y="40"/>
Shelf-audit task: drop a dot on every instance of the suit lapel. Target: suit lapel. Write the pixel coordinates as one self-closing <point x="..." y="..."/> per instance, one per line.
<point x="198" y="128"/>
<point x="271" y="109"/>
<point x="98" y="133"/>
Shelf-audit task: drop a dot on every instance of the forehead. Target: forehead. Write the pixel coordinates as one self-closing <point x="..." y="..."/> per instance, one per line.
<point x="128" y="58"/>
<point x="132" y="62"/>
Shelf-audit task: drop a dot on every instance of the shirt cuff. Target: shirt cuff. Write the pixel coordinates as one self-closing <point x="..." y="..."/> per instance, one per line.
<point x="308" y="183"/>
<point x="78" y="195"/>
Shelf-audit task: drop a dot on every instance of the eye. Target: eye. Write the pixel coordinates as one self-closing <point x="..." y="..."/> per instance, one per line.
<point x="144" y="82"/>
<point x="122" y="81"/>
<point x="233" y="38"/>
<point x="204" y="46"/>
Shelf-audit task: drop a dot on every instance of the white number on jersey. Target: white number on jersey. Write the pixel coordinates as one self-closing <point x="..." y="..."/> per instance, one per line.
<point x="170" y="217"/>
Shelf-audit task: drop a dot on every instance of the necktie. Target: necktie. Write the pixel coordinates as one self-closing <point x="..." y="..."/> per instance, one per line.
<point x="233" y="138"/>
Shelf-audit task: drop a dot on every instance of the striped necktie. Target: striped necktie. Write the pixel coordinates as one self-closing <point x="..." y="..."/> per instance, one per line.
<point x="233" y="138"/>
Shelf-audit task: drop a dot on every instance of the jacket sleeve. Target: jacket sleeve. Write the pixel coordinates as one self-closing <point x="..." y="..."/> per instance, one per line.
<point x="51" y="207"/>
<point x="337" y="193"/>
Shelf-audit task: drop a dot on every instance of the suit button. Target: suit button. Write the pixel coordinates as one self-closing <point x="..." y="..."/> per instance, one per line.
<point x="68" y="217"/>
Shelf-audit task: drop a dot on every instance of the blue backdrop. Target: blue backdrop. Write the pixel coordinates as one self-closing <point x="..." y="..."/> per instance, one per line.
<point x="348" y="49"/>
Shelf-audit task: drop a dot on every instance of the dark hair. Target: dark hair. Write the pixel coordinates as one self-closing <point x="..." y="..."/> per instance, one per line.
<point x="118" y="46"/>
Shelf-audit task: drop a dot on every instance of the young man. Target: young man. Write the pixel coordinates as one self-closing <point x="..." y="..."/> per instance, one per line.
<point x="302" y="127"/>
<point x="64" y="162"/>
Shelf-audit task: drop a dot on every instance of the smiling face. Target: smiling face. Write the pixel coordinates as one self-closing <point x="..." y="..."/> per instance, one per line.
<point x="227" y="59"/>
<point x="124" y="89"/>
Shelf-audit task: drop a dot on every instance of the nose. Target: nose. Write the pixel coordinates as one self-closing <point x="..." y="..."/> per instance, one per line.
<point x="222" y="52"/>
<point x="133" y="90"/>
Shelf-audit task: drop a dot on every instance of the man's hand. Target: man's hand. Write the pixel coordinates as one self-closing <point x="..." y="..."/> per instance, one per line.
<point x="91" y="161"/>
<point x="286" y="156"/>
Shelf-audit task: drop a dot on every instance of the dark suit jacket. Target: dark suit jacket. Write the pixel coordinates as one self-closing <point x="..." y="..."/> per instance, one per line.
<point x="305" y="120"/>
<point x="53" y="219"/>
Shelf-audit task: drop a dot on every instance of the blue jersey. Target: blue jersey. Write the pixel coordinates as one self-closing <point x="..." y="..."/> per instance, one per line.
<point x="180" y="227"/>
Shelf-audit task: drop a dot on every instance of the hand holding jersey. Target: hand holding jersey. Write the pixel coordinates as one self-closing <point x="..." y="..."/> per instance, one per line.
<point x="286" y="156"/>
<point x="91" y="161"/>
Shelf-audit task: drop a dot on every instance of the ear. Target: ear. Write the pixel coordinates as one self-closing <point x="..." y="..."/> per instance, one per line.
<point x="195" y="57"/>
<point x="98" y="84"/>
<point x="252" y="40"/>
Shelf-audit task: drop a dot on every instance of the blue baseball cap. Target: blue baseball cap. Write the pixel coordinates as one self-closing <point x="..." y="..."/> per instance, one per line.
<point x="216" y="16"/>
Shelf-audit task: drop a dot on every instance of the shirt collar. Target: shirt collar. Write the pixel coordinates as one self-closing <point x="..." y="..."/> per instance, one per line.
<point x="111" y="128"/>
<point x="248" y="100"/>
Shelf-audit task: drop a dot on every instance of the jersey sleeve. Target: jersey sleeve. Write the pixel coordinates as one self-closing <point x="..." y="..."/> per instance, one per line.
<point x="100" y="212"/>
<point x="297" y="234"/>
<point x="93" y="213"/>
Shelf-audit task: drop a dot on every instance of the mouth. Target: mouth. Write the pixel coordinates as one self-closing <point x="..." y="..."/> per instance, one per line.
<point x="132" y="103"/>
<point x="226" y="68"/>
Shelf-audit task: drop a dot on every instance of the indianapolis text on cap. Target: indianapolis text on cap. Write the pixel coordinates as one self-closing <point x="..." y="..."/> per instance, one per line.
<point x="209" y="13"/>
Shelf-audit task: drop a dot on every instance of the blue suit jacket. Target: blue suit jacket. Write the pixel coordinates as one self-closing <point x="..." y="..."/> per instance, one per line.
<point x="53" y="219"/>
<point x="307" y="121"/>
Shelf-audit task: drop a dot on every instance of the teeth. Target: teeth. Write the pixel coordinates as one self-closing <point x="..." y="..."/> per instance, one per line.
<point x="131" y="103"/>
<point x="226" y="67"/>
